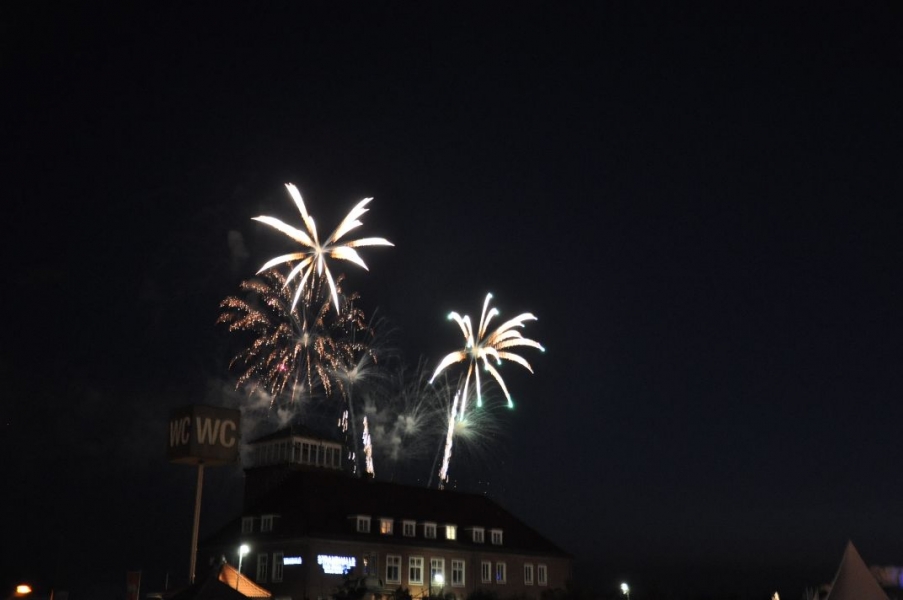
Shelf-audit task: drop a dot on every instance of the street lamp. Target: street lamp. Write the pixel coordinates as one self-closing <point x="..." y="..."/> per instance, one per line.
<point x="242" y="550"/>
<point x="439" y="580"/>
<point x="625" y="589"/>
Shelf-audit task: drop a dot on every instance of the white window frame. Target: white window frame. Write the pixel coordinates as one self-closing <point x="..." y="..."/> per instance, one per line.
<point x="486" y="571"/>
<point x="528" y="574"/>
<point x="247" y="524"/>
<point x="362" y="524"/>
<point x="429" y="531"/>
<point x="542" y="574"/>
<point x="409" y="528"/>
<point x="393" y="561"/>
<point x="501" y="573"/>
<point x="437" y="567"/>
<point x="262" y="564"/>
<point x="457" y="572"/>
<point x="497" y="536"/>
<point x="266" y="523"/>
<point x="451" y="532"/>
<point x="478" y="535"/>
<point x="278" y="564"/>
<point x="415" y="562"/>
<point x="386" y="526"/>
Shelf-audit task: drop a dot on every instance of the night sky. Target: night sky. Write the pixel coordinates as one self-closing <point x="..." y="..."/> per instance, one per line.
<point x="702" y="206"/>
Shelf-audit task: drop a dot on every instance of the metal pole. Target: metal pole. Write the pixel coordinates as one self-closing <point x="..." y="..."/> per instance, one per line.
<point x="197" y="522"/>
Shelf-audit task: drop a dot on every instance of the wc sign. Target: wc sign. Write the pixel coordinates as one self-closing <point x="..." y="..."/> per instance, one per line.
<point x="204" y="435"/>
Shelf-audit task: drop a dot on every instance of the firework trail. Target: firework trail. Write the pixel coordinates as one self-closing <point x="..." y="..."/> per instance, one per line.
<point x="301" y="346"/>
<point x="368" y="449"/>
<point x="312" y="258"/>
<point x="446" y="458"/>
<point x="359" y="366"/>
<point x="480" y="347"/>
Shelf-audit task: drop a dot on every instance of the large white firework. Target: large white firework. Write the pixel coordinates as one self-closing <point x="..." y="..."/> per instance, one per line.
<point x="480" y="347"/>
<point x="312" y="258"/>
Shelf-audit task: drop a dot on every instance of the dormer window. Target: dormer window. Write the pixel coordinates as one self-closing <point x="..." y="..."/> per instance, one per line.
<point x="266" y="523"/>
<point x="385" y="526"/>
<point x="496" y="536"/>
<point x="451" y="532"/>
<point x="247" y="524"/>
<point x="408" y="528"/>
<point x="363" y="524"/>
<point x="429" y="530"/>
<point x="478" y="533"/>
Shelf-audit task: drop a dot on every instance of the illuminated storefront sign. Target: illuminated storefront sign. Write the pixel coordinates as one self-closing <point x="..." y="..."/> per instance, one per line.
<point x="291" y="560"/>
<point x="336" y="565"/>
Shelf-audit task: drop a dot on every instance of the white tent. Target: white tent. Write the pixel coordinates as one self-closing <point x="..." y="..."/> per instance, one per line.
<point x="853" y="580"/>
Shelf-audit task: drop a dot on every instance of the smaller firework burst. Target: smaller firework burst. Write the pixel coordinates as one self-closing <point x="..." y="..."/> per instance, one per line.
<point x="480" y="347"/>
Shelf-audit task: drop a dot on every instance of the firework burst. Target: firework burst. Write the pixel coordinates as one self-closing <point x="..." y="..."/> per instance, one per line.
<point x="480" y="347"/>
<point x="300" y="346"/>
<point x="312" y="258"/>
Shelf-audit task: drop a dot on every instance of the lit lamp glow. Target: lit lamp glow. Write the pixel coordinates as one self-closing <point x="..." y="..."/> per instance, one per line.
<point x="242" y="551"/>
<point x="23" y="589"/>
<point x="625" y="589"/>
<point x="437" y="579"/>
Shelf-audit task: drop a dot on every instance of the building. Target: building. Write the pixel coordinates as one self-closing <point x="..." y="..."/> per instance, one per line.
<point x="307" y="522"/>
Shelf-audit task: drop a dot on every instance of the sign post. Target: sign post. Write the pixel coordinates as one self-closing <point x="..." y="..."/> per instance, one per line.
<point x="203" y="436"/>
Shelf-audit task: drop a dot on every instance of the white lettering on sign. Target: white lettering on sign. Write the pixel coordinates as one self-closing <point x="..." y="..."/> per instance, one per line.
<point x="213" y="431"/>
<point x="227" y="442"/>
<point x="179" y="431"/>
<point x="292" y="560"/>
<point x="336" y="565"/>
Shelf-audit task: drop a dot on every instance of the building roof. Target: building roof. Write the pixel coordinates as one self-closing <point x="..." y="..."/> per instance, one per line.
<point x="221" y="583"/>
<point x="853" y="580"/>
<point x="300" y="430"/>
<point x="320" y="503"/>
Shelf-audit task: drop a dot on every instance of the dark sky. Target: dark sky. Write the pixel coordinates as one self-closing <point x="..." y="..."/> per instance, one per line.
<point x="702" y="206"/>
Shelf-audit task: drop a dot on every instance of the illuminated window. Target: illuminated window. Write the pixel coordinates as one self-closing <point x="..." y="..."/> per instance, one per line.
<point x="478" y="535"/>
<point x="266" y="523"/>
<point x="429" y="530"/>
<point x="393" y="569"/>
<point x="496" y="536"/>
<point x="528" y="574"/>
<point x="486" y="571"/>
<point x="247" y="524"/>
<point x="501" y="573"/>
<point x="277" y="566"/>
<point x="385" y="526"/>
<point x="542" y="575"/>
<point x="261" y="568"/>
<point x="457" y="572"/>
<point x="415" y="570"/>
<point x="437" y="571"/>
<point x="409" y="528"/>
<point x="363" y="524"/>
<point x="451" y="532"/>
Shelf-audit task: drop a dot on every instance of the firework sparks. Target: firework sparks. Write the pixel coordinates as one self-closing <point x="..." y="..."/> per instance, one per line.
<point x="300" y="346"/>
<point x="480" y="347"/>
<point x="312" y="258"/>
